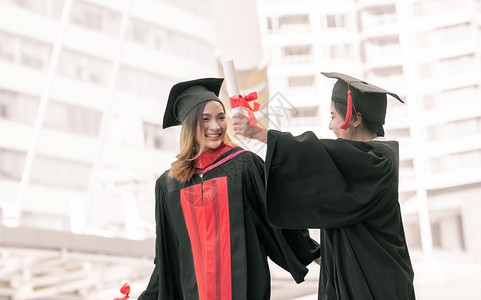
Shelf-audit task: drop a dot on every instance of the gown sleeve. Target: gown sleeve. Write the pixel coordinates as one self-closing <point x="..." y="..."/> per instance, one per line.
<point x="316" y="183"/>
<point x="290" y="249"/>
<point x="164" y="282"/>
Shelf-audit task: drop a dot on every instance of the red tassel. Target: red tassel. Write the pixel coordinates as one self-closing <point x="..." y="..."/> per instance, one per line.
<point x="347" y="120"/>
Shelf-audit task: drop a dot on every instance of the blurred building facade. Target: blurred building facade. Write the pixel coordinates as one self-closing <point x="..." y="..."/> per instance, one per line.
<point x="428" y="52"/>
<point x="83" y="87"/>
<point x="105" y="101"/>
<point x="103" y="84"/>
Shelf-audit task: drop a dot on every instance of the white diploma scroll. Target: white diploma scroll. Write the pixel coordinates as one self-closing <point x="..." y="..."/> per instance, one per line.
<point x="231" y="81"/>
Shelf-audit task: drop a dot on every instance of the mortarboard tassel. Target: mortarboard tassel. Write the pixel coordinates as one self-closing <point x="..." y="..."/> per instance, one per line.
<point x="347" y="120"/>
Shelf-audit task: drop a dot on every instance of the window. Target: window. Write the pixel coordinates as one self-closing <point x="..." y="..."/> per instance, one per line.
<point x="45" y="170"/>
<point x="50" y="8"/>
<point x="456" y="161"/>
<point x="270" y="25"/>
<point x="143" y="83"/>
<point x="3" y="110"/>
<point x="95" y="17"/>
<point x="170" y="41"/>
<point x="435" y="133"/>
<point x="421" y="8"/>
<point x="11" y="164"/>
<point x="335" y="21"/>
<point x="382" y="46"/>
<point x="393" y="73"/>
<point x="406" y="196"/>
<point x="83" y="67"/>
<point x="379" y="15"/>
<point x="297" y="53"/>
<point x="340" y="51"/>
<point x="406" y="163"/>
<point x="292" y="23"/>
<point x="301" y="81"/>
<point x="34" y="54"/>
<point x="60" y="116"/>
<point x="447" y="99"/>
<point x="7" y="46"/>
<point x="196" y="7"/>
<point x="447" y="230"/>
<point x="148" y="34"/>
<point x="51" y="171"/>
<point x="73" y="119"/>
<point x="303" y="116"/>
<point x="467" y="127"/>
<point x="396" y="133"/>
<point x="445" y="35"/>
<point x="297" y="50"/>
<point x="406" y="169"/>
<point x="307" y="111"/>
<point x="293" y="20"/>
<point x="453" y="65"/>
<point x="152" y="135"/>
<point x="156" y="138"/>
<point x="455" y="129"/>
<point x="24" y="51"/>
<point x="412" y="232"/>
<point x="19" y="107"/>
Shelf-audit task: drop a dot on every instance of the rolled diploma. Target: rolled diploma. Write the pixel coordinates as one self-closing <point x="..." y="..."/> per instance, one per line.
<point x="231" y="81"/>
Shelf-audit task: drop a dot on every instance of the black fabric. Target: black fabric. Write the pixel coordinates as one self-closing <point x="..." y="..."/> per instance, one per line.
<point x="368" y="99"/>
<point x="184" y="96"/>
<point x="349" y="190"/>
<point x="252" y="238"/>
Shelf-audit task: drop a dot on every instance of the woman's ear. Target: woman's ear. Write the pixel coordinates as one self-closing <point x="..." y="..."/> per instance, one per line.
<point x="357" y="120"/>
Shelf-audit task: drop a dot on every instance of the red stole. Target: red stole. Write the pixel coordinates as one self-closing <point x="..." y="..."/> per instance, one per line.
<point x="206" y="213"/>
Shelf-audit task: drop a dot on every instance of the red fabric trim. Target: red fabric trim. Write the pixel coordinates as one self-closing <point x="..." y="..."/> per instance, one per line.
<point x="220" y="162"/>
<point x="206" y="213"/>
<point x="210" y="155"/>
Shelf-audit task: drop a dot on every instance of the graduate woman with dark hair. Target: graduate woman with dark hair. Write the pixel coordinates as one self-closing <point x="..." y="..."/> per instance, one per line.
<point x="347" y="187"/>
<point x="212" y="235"/>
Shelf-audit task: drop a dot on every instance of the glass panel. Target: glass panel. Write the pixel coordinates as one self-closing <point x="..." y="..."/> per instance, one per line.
<point x="96" y="17"/>
<point x="143" y="83"/>
<point x="11" y="164"/>
<point x="51" y="171"/>
<point x="7" y="46"/>
<point x="73" y="119"/>
<point x="83" y="67"/>
<point x="34" y="54"/>
<point x="19" y="107"/>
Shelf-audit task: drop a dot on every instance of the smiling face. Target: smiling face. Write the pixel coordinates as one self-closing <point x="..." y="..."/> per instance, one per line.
<point x="212" y="127"/>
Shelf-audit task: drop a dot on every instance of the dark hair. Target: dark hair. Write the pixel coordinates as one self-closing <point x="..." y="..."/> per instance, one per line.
<point x="371" y="127"/>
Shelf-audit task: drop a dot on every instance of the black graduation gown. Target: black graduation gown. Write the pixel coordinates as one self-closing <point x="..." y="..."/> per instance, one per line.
<point x="349" y="190"/>
<point x="213" y="237"/>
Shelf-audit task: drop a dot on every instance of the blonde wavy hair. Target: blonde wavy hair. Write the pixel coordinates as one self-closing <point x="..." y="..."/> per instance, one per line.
<point x="183" y="168"/>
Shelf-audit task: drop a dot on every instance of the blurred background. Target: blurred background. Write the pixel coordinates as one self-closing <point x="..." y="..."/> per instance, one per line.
<point x="83" y="87"/>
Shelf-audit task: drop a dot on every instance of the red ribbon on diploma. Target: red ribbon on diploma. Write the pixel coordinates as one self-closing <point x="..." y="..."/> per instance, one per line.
<point x="125" y="289"/>
<point x="238" y="100"/>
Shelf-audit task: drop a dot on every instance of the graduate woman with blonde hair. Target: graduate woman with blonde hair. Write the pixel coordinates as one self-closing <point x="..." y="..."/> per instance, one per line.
<point x="212" y="235"/>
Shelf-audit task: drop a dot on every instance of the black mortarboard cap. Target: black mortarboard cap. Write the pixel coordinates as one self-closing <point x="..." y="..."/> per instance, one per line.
<point x="366" y="98"/>
<point x="184" y="96"/>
